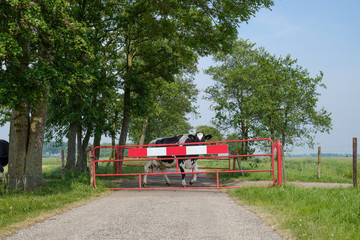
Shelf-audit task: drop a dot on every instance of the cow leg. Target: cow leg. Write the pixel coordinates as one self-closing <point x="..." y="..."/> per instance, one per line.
<point x="167" y="180"/>
<point x="147" y="169"/>
<point x="195" y="169"/>
<point x="182" y="169"/>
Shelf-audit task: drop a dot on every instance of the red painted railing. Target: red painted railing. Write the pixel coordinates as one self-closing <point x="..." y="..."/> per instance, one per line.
<point x="137" y="153"/>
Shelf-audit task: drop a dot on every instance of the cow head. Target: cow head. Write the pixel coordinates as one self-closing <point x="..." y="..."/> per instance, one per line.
<point x="199" y="137"/>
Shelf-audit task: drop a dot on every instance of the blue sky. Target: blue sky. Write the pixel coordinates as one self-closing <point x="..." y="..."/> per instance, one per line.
<point x="323" y="35"/>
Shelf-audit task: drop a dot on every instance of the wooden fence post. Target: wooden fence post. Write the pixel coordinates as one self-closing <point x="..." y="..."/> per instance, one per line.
<point x="355" y="162"/>
<point x="239" y="164"/>
<point x="90" y="161"/>
<point x="62" y="164"/>
<point x="319" y="161"/>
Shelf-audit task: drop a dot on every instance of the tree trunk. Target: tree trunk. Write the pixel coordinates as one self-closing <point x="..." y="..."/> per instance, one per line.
<point x="71" y="152"/>
<point x="126" y="118"/>
<point x="86" y="144"/>
<point x="97" y="141"/>
<point x="113" y="140"/>
<point x="18" y="146"/>
<point x="127" y="91"/>
<point x="272" y="130"/>
<point x="143" y="132"/>
<point x="19" y="126"/>
<point x="78" y="146"/>
<point x="126" y="113"/>
<point x="81" y="163"/>
<point x="244" y="136"/>
<point x="125" y="124"/>
<point x="33" y="170"/>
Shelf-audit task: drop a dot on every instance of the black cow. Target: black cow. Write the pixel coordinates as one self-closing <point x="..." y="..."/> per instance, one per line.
<point x="170" y="163"/>
<point x="4" y="155"/>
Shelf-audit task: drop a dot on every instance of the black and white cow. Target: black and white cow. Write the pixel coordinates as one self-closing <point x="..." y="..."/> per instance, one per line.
<point x="4" y="155"/>
<point x="170" y="163"/>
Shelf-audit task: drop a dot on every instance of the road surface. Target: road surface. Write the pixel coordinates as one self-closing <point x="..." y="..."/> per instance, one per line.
<point x="159" y="214"/>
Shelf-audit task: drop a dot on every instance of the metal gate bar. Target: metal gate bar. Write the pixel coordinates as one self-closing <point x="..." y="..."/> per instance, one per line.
<point x="122" y="158"/>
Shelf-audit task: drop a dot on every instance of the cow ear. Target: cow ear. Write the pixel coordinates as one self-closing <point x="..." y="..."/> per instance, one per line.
<point x="192" y="137"/>
<point x="207" y="137"/>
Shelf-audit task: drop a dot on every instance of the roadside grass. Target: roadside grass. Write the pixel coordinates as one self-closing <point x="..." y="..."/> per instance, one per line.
<point x="298" y="212"/>
<point x="333" y="169"/>
<point x="306" y="213"/>
<point x="19" y="209"/>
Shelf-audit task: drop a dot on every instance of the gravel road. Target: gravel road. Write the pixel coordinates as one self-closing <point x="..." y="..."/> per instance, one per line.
<point x="167" y="214"/>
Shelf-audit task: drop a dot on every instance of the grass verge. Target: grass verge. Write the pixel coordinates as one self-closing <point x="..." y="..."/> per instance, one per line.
<point x="306" y="213"/>
<point x="21" y="209"/>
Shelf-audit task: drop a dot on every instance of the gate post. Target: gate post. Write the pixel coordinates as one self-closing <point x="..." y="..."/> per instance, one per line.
<point x="279" y="167"/>
<point x="355" y="182"/>
<point x="91" y="156"/>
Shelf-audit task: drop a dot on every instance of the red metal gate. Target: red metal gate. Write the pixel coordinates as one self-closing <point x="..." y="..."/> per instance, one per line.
<point x="136" y="155"/>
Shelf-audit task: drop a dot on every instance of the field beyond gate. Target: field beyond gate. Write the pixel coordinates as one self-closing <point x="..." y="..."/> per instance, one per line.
<point x="214" y="159"/>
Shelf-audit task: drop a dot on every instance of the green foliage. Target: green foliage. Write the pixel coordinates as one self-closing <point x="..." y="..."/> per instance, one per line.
<point x="102" y="61"/>
<point x="5" y="115"/>
<point x="87" y="92"/>
<point x="262" y="96"/>
<point x="216" y="135"/>
<point x="33" y="33"/>
<point x="237" y="146"/>
<point x="168" y="104"/>
<point x="162" y="40"/>
<point x="308" y="213"/>
<point x="87" y="50"/>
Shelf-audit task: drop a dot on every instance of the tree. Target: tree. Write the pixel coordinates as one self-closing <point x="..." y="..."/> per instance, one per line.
<point x="178" y="29"/>
<point x="166" y="112"/>
<point x="33" y="34"/>
<point x="89" y="95"/>
<point x="216" y="135"/>
<point x="238" y="147"/>
<point x="267" y="96"/>
<point x="233" y="91"/>
<point x="50" y="49"/>
<point x="156" y="40"/>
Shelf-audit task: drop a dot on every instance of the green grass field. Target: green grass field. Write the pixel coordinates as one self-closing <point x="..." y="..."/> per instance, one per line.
<point x="296" y="212"/>
<point x="337" y="170"/>
<point x="306" y="213"/>
<point x="332" y="170"/>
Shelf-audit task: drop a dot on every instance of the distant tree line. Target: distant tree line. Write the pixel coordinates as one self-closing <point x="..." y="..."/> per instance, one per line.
<point x="322" y="154"/>
<point x="52" y="149"/>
